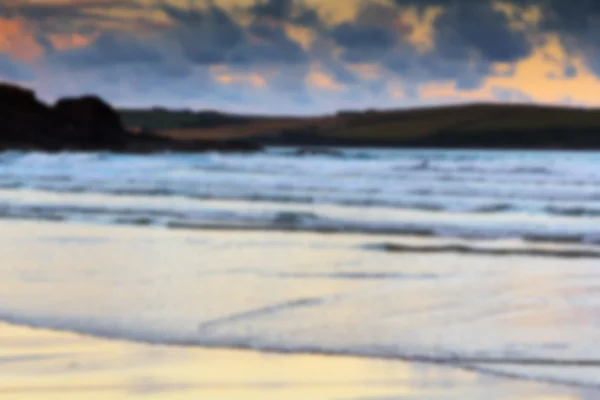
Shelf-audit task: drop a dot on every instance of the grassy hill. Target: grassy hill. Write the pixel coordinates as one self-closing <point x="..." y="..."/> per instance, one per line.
<point x="474" y="125"/>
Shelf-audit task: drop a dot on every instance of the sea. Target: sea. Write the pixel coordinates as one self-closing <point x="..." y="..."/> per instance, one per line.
<point x="482" y="260"/>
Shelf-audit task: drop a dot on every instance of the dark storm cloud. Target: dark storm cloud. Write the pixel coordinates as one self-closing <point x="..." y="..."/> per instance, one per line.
<point x="363" y="43"/>
<point x="577" y="24"/>
<point x="468" y="38"/>
<point x="110" y="49"/>
<point x="569" y="17"/>
<point x="64" y="16"/>
<point x="467" y="41"/>
<point x="212" y="36"/>
<point x="424" y="4"/>
<point x="42" y="12"/>
<point x="307" y="17"/>
<point x="206" y="36"/>
<point x="120" y="59"/>
<point x="292" y="11"/>
<point x="277" y="9"/>
<point x="480" y="28"/>
<point x="434" y="67"/>
<point x="466" y="27"/>
<point x="272" y="46"/>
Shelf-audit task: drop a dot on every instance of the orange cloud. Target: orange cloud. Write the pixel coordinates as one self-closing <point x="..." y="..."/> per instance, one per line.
<point x="421" y="33"/>
<point x="62" y="3"/>
<point x="447" y="90"/>
<point x="520" y="17"/>
<point x="303" y="36"/>
<point x="17" y="40"/>
<point x="366" y="71"/>
<point x="221" y="75"/>
<point x="335" y="12"/>
<point x="135" y="20"/>
<point x="541" y="76"/>
<point x="65" y="42"/>
<point x="225" y="79"/>
<point x="321" y="80"/>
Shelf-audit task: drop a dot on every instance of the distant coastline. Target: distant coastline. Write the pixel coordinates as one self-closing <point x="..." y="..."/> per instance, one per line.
<point x="88" y="123"/>
<point x="471" y="126"/>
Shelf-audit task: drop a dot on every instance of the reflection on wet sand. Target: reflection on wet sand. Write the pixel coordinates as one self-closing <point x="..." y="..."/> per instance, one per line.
<point x="39" y="364"/>
<point x="295" y="292"/>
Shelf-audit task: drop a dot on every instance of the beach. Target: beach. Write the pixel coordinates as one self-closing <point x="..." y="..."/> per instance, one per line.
<point x="299" y="199"/>
<point x="120" y="325"/>
<point x="42" y="364"/>
<point x="353" y="275"/>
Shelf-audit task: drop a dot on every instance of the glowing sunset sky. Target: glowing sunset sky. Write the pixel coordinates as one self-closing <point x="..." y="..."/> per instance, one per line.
<point x="304" y="56"/>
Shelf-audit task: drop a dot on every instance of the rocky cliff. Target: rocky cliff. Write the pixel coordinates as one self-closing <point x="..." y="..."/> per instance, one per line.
<point x="81" y="124"/>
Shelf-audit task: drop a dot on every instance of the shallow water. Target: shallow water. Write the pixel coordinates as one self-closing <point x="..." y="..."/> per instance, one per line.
<point x="552" y="196"/>
<point x="533" y="317"/>
<point x="483" y="260"/>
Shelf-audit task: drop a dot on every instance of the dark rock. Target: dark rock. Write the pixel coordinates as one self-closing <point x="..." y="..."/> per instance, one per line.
<point x="23" y="118"/>
<point x="84" y="124"/>
<point x="89" y="122"/>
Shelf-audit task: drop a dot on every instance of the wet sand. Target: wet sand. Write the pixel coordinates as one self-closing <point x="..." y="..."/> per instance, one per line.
<point x="135" y="280"/>
<point x="49" y="365"/>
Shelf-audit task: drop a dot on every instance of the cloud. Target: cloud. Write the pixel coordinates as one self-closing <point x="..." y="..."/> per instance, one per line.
<point x="424" y="4"/>
<point x="213" y="36"/>
<point x="277" y="9"/>
<point x="363" y="43"/>
<point x="111" y="49"/>
<point x="577" y="24"/>
<point x="271" y="45"/>
<point x="484" y="31"/>
<point x="297" y="55"/>
<point x="66" y="16"/>
<point x="117" y="65"/>
<point x="206" y="36"/>
<point x="290" y="11"/>
<point x="18" y="38"/>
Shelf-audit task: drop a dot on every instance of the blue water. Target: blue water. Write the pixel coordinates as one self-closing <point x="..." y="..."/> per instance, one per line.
<point x="536" y="195"/>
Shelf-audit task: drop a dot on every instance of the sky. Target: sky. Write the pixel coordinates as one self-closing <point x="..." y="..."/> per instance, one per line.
<point x="304" y="56"/>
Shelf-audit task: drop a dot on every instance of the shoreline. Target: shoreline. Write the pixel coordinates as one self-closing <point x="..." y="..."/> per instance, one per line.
<point x="46" y="259"/>
<point x="38" y="363"/>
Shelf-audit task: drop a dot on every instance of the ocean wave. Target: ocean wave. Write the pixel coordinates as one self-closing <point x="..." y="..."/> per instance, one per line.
<point x="269" y="163"/>
<point x="573" y="211"/>
<point x="275" y="217"/>
<point x="425" y="194"/>
<point x="466" y="249"/>
<point x="489" y="201"/>
<point x="475" y="182"/>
